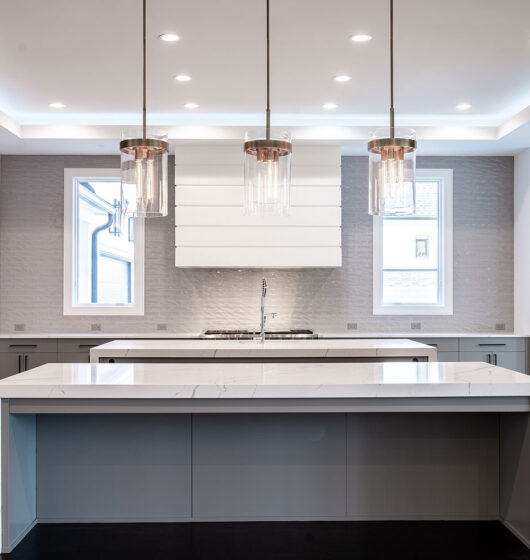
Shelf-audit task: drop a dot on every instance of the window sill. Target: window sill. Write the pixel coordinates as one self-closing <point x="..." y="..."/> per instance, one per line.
<point x="104" y="310"/>
<point x="413" y="310"/>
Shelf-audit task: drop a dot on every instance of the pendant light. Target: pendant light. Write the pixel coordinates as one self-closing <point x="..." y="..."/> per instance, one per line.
<point x="267" y="163"/>
<point x="392" y="156"/>
<point x="144" y="166"/>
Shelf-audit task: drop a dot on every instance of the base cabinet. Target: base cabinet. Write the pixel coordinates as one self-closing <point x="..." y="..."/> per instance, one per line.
<point x="508" y="360"/>
<point x="507" y="352"/>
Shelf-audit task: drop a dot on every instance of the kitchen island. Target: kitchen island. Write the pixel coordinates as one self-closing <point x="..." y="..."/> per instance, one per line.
<point x="161" y="351"/>
<point x="256" y="441"/>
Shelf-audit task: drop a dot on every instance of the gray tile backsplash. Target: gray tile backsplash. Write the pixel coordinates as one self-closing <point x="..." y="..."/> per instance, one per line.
<point x="189" y="300"/>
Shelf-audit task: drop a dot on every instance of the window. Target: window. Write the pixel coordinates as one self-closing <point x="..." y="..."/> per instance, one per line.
<point x="103" y="253"/>
<point x="413" y="255"/>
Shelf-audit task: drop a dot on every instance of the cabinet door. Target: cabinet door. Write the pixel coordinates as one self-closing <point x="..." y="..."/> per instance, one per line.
<point x="38" y="359"/>
<point x="447" y="357"/>
<point x="510" y="360"/>
<point x="10" y="364"/>
<point x="477" y="356"/>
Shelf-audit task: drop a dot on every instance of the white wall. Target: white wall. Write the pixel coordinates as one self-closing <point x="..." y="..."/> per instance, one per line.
<point x="521" y="247"/>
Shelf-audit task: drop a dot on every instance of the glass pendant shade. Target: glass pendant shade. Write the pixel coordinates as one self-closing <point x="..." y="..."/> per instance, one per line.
<point x="267" y="174"/>
<point x="144" y="190"/>
<point x="392" y="170"/>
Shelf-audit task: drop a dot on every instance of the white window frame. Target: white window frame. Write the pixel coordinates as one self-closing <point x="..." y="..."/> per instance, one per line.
<point x="70" y="209"/>
<point x="446" y="249"/>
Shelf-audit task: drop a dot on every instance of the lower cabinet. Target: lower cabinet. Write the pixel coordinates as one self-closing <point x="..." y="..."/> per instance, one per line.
<point x="508" y="360"/>
<point x="508" y="352"/>
<point x="11" y="364"/>
<point x="77" y="350"/>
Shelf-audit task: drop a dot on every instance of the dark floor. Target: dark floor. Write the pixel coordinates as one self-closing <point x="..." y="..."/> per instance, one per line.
<point x="388" y="540"/>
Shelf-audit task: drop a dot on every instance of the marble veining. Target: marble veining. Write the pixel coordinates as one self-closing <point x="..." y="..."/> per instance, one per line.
<point x="318" y="348"/>
<point x="266" y="380"/>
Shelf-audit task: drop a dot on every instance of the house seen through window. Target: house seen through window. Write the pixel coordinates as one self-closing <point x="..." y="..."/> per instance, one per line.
<point x="103" y="257"/>
<point x="413" y="254"/>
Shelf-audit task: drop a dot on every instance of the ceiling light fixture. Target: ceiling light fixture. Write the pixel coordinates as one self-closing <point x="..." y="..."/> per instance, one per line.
<point x="463" y="106"/>
<point x="267" y="162"/>
<point x="361" y="38"/>
<point x="144" y="192"/>
<point x="169" y="37"/>
<point x="342" y="78"/>
<point x="392" y="159"/>
<point x="56" y="105"/>
<point x="191" y="106"/>
<point x="330" y="105"/>
<point x="182" y="78"/>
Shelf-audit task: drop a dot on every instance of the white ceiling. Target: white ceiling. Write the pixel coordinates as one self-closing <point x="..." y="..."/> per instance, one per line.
<point x="88" y="55"/>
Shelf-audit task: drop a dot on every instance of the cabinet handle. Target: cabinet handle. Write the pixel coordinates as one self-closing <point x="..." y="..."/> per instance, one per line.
<point x="489" y="358"/>
<point x="19" y="363"/>
<point x="22" y="346"/>
<point x="495" y="359"/>
<point x="503" y="344"/>
<point x="26" y="362"/>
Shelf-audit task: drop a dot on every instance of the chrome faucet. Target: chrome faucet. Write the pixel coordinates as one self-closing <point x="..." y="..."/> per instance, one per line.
<point x="264" y="315"/>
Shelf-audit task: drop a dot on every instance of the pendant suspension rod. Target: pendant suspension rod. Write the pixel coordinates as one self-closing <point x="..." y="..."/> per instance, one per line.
<point x="268" y="110"/>
<point x="144" y="111"/>
<point x="392" y="132"/>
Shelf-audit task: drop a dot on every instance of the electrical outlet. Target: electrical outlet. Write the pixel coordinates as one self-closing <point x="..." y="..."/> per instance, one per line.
<point x="161" y="327"/>
<point x="95" y="327"/>
<point x="19" y="327"/>
<point x="352" y="326"/>
<point x="415" y="326"/>
<point x="500" y="326"/>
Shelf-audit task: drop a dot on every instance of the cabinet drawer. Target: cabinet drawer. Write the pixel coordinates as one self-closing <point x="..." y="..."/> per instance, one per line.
<point x="500" y="344"/>
<point x="75" y="345"/>
<point x="28" y="345"/>
<point x="441" y="344"/>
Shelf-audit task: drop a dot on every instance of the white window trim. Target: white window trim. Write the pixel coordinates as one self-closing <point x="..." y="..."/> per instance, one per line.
<point x="137" y="308"/>
<point x="446" y="308"/>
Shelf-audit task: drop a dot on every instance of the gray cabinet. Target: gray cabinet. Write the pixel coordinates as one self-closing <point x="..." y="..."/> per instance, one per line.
<point x="508" y="352"/>
<point x="509" y="360"/>
<point x="10" y="364"/>
<point x="505" y="351"/>
<point x="17" y="355"/>
<point x="77" y="350"/>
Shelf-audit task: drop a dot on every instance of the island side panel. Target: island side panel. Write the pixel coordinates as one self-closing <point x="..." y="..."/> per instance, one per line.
<point x="269" y="466"/>
<point x="114" y="467"/>
<point x="18" y="473"/>
<point x="423" y="466"/>
<point x="515" y="473"/>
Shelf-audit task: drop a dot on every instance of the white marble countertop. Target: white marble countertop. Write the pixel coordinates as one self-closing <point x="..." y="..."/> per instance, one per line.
<point x="325" y="335"/>
<point x="265" y="380"/>
<point x="316" y="348"/>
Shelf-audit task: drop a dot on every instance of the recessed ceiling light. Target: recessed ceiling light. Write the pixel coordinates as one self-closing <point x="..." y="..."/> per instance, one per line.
<point x="361" y="38"/>
<point x="191" y="106"/>
<point x="330" y="105"/>
<point x="57" y="105"/>
<point x="342" y="78"/>
<point x="169" y="37"/>
<point x="182" y="78"/>
<point x="463" y="106"/>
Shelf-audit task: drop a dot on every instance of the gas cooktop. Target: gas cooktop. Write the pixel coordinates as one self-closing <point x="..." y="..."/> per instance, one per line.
<point x="249" y="335"/>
